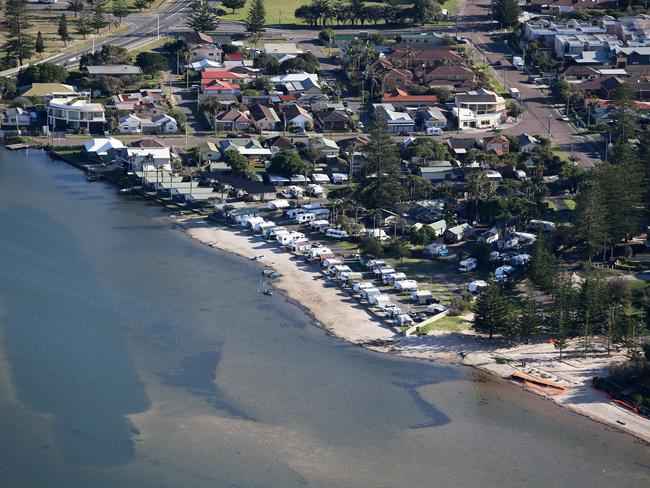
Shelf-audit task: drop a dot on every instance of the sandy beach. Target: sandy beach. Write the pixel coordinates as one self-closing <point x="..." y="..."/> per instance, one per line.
<point x="346" y="319"/>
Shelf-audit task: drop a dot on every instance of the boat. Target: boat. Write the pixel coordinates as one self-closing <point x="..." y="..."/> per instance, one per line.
<point x="268" y="292"/>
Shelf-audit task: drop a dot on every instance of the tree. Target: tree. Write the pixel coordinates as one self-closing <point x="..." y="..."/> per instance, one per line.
<point x="371" y="247"/>
<point x="108" y="54"/>
<point x="234" y="4"/>
<point x="151" y="63"/>
<point x="529" y="319"/>
<point x="120" y="9"/>
<point x="625" y="115"/>
<point x="506" y="12"/>
<point x="239" y="164"/>
<point x="590" y="217"/>
<point x="256" y="17"/>
<point x="491" y="311"/>
<point x="179" y="116"/>
<point x="18" y="45"/>
<point x="39" y="47"/>
<point x="110" y="85"/>
<point x="326" y="36"/>
<point x="203" y="17"/>
<point x="98" y="19"/>
<point x="478" y="188"/>
<point x="76" y="6"/>
<point x="380" y="185"/>
<point x="42" y="73"/>
<point x="287" y="163"/>
<point x="543" y="265"/>
<point x="63" y="30"/>
<point x="426" y="11"/>
<point x="140" y="4"/>
<point x="83" y="25"/>
<point x="267" y="63"/>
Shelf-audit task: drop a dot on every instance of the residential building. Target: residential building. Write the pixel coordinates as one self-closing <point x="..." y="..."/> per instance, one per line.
<point x="397" y="122"/>
<point x="527" y="143"/>
<point x="460" y="146"/>
<point x="148" y="159"/>
<point x="282" y="50"/>
<point x="263" y="117"/>
<point x="15" y="117"/>
<point x="422" y="38"/>
<point x="355" y="150"/>
<point x="209" y="51"/>
<point x="160" y="124"/>
<point x="454" y="76"/>
<point x="579" y="47"/>
<point x="210" y="86"/>
<point x="635" y="60"/>
<point x="633" y="30"/>
<point x="116" y="70"/>
<point x="280" y="143"/>
<point x="333" y="120"/>
<point x="76" y="112"/>
<point x="459" y="233"/>
<point x="431" y="118"/>
<point x="251" y="148"/>
<point x="297" y="83"/>
<point x="131" y="101"/>
<point x="498" y="145"/>
<point x="232" y="119"/>
<point x="424" y="55"/>
<point x="437" y="171"/>
<point x="482" y="109"/>
<point x="400" y="98"/>
<point x="296" y="116"/>
<point x="208" y="151"/>
<point x="324" y="145"/>
<point x="544" y="31"/>
<point x="559" y="7"/>
<point x="43" y="89"/>
<point x="104" y="149"/>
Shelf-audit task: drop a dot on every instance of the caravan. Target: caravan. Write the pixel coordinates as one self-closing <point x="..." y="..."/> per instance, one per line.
<point x="392" y="278"/>
<point x="406" y="285"/>
<point x="467" y="265"/>
<point x="336" y="233"/>
<point x="305" y="217"/>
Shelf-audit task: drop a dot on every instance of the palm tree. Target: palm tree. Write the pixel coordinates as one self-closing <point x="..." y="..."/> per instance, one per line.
<point x="477" y="186"/>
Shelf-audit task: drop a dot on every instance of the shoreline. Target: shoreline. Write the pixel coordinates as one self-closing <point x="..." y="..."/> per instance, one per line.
<point x="306" y="289"/>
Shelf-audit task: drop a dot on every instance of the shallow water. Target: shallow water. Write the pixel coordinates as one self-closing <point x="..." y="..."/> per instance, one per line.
<point x="130" y="355"/>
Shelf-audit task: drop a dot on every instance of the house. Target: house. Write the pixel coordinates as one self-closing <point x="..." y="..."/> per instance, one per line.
<point x="208" y="151"/>
<point x="400" y="98"/>
<point x="281" y="50"/>
<point x="150" y="142"/>
<point x="272" y="98"/>
<point x="280" y="143"/>
<point x="424" y="55"/>
<point x="76" y="112"/>
<point x="396" y="78"/>
<point x="422" y="38"/>
<point x="489" y="236"/>
<point x="578" y="47"/>
<point x="459" y="233"/>
<point x="43" y="89"/>
<point x="354" y="147"/>
<point x="431" y="118"/>
<point x="544" y="31"/>
<point x="250" y="190"/>
<point x="438" y="227"/>
<point x="140" y="159"/>
<point x="482" y="109"/>
<point x="333" y="120"/>
<point x="263" y="117"/>
<point x="133" y="101"/>
<point x="232" y="119"/>
<point x="580" y="73"/>
<point x="459" y="147"/>
<point x="210" y="86"/>
<point x="209" y="51"/>
<point x="455" y="76"/>
<point x="559" y="7"/>
<point x="326" y="146"/>
<point x="498" y="145"/>
<point x="15" y="117"/>
<point x="116" y="70"/>
<point x="397" y="122"/>
<point x="104" y="149"/>
<point x="251" y="148"/>
<point x="527" y="143"/>
<point x="297" y="83"/>
<point x="296" y="116"/>
<point x="160" y="124"/>
<point x="437" y="171"/>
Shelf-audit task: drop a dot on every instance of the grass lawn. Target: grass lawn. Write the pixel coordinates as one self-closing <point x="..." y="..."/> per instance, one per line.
<point x="347" y="245"/>
<point x="551" y="205"/>
<point x="570" y="203"/>
<point x="449" y="324"/>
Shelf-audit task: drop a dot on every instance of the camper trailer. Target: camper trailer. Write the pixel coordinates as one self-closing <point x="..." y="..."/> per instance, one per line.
<point x="406" y="285"/>
<point x="539" y="225"/>
<point x="358" y="287"/>
<point x="421" y="296"/>
<point x="391" y="279"/>
<point x="305" y="217"/>
<point x="468" y="264"/>
<point x="336" y="233"/>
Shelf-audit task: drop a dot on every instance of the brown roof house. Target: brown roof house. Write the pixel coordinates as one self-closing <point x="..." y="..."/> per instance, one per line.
<point x="498" y="145"/>
<point x="333" y="120"/>
<point x="263" y="117"/>
<point x="232" y="119"/>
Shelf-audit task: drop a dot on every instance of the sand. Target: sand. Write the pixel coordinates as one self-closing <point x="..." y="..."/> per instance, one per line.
<point x="343" y="317"/>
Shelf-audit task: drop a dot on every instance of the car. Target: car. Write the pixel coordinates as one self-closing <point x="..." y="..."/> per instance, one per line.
<point x="422" y="317"/>
<point x="413" y="314"/>
<point x="565" y="118"/>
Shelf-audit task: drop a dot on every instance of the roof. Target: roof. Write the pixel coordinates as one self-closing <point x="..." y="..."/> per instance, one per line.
<point x="453" y="69"/>
<point x="76" y="102"/>
<point x="232" y="115"/>
<point x="150" y="142"/>
<point x="280" y="142"/>
<point x="208" y="146"/>
<point x="42" y="89"/>
<point x="281" y="48"/>
<point x="325" y="143"/>
<point x="459" y="229"/>
<point x="293" y="111"/>
<point x="478" y="96"/>
<point x="155" y="152"/>
<point x="398" y="95"/>
<point x="102" y="145"/>
<point x="218" y="85"/>
<point x="461" y="142"/>
<point x="219" y="74"/>
<point x="114" y="69"/>
<point x="262" y="112"/>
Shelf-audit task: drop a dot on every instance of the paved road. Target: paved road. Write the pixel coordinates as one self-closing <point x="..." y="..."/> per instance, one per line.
<point x="540" y="117"/>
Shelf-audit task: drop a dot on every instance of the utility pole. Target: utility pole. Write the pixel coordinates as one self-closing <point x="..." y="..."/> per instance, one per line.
<point x="158" y="27"/>
<point x="549" y="127"/>
<point x="186" y="144"/>
<point x="178" y="60"/>
<point x="92" y="36"/>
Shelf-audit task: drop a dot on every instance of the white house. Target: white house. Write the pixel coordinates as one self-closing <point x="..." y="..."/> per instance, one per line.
<point x="160" y="124"/>
<point x="76" y="112"/>
<point x="148" y="159"/>
<point x="479" y="109"/>
<point x="103" y="148"/>
<point x="398" y="122"/>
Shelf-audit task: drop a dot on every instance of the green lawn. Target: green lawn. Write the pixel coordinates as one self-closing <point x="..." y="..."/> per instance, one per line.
<point x="449" y="324"/>
<point x="570" y="203"/>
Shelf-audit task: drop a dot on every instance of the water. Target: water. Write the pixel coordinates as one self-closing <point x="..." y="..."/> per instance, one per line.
<point x="131" y="356"/>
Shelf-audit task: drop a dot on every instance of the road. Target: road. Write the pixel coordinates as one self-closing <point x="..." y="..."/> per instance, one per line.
<point x="540" y="117"/>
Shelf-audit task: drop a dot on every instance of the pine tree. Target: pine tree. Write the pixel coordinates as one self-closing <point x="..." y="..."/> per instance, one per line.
<point x="234" y="4"/>
<point x="39" y="47"/>
<point x="98" y="20"/>
<point x="120" y="8"/>
<point x="529" y="319"/>
<point x="380" y="184"/>
<point x="491" y="311"/>
<point x="506" y="12"/>
<point x="76" y="6"/>
<point x="18" y="45"/>
<point x="591" y="217"/>
<point x="63" y="30"/>
<point x="140" y="4"/>
<point x="256" y="17"/>
<point x="203" y="17"/>
<point x="592" y="304"/>
<point x="543" y="265"/>
<point x="83" y="25"/>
